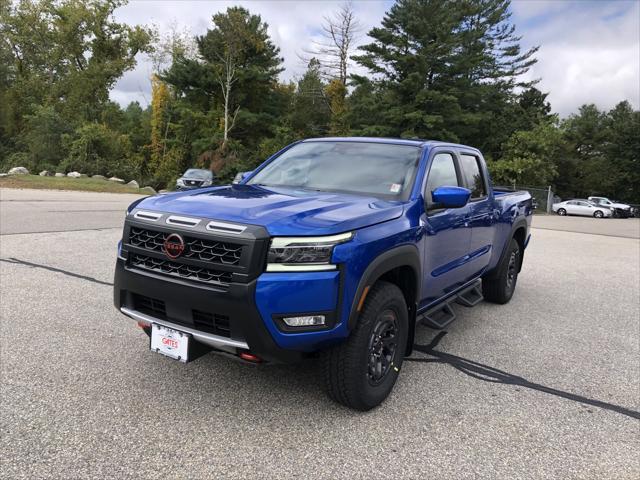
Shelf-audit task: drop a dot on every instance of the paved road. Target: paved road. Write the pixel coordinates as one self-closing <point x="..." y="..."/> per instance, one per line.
<point x="81" y="396"/>
<point x="614" y="227"/>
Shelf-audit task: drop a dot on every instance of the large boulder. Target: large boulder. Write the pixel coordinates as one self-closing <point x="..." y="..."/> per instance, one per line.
<point x="75" y="175"/>
<point x="133" y="184"/>
<point x="59" y="174"/>
<point x="18" y="171"/>
<point x="46" y="173"/>
<point x="4" y="175"/>
<point x="99" y="177"/>
<point x="116" y="179"/>
<point x="149" y="190"/>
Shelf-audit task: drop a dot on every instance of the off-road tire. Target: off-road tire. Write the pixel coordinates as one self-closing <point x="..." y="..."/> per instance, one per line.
<point x="500" y="288"/>
<point x="347" y="366"/>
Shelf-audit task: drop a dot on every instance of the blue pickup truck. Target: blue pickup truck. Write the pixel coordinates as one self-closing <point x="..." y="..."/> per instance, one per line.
<point x="334" y="248"/>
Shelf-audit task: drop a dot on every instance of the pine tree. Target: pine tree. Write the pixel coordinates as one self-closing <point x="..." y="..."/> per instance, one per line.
<point x="444" y="69"/>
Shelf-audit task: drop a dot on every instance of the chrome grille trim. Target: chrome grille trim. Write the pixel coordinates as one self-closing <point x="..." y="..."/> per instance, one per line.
<point x="149" y="216"/>
<point x="222" y="227"/>
<point x="182" y="221"/>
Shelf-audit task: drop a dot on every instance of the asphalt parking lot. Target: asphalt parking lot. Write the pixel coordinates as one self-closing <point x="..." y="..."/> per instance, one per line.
<point x="547" y="386"/>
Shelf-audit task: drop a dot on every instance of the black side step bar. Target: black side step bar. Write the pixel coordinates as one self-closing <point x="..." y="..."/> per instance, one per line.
<point x="471" y="297"/>
<point x="442" y="315"/>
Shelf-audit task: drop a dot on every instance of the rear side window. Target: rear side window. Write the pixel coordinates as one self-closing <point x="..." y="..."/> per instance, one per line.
<point x="442" y="174"/>
<point x="472" y="174"/>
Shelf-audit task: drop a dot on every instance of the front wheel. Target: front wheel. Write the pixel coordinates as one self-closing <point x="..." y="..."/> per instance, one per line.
<point x="361" y="372"/>
<point x="499" y="289"/>
<point x="598" y="214"/>
<point x="562" y="212"/>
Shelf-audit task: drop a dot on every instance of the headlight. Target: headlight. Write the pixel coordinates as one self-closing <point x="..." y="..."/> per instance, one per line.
<point x="180" y="182"/>
<point x="290" y="254"/>
<point x="206" y="183"/>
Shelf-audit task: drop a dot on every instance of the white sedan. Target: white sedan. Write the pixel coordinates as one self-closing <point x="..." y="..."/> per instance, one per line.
<point x="581" y="207"/>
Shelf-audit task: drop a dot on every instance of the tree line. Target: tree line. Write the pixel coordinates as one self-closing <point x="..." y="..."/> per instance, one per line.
<point x="449" y="71"/>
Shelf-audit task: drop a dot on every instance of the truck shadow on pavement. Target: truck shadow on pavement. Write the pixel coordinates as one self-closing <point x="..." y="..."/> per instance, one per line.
<point x="489" y="374"/>
<point x="474" y="369"/>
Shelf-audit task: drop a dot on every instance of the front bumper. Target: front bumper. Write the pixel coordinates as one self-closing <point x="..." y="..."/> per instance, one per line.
<point x="251" y="310"/>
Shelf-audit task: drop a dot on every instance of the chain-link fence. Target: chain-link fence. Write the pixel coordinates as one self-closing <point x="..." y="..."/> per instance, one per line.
<point x="543" y="197"/>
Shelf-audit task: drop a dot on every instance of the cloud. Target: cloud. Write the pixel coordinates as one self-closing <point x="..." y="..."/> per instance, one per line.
<point x="292" y="27"/>
<point x="589" y="51"/>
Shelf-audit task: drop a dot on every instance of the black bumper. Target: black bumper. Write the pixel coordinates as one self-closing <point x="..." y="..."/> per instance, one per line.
<point x="180" y="298"/>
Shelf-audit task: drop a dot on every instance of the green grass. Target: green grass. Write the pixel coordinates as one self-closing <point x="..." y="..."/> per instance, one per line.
<point x="65" y="183"/>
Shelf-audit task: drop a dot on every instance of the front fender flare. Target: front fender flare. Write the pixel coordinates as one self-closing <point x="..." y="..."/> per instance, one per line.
<point x="404" y="255"/>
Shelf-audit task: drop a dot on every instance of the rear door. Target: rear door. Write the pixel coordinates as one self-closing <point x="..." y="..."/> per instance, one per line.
<point x="446" y="240"/>
<point x="481" y="216"/>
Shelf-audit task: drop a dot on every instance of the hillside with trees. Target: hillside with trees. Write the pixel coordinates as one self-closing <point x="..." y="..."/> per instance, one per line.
<point x="447" y="71"/>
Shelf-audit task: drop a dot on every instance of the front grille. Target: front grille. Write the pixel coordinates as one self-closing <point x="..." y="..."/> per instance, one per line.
<point x="150" y="306"/>
<point x="212" y="323"/>
<point x="223" y="253"/>
<point x="179" y="270"/>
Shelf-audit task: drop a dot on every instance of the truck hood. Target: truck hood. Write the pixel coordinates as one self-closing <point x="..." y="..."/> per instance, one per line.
<point x="282" y="211"/>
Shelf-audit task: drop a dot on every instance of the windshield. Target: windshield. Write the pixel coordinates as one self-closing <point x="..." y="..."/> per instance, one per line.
<point x="197" y="173"/>
<point x="378" y="169"/>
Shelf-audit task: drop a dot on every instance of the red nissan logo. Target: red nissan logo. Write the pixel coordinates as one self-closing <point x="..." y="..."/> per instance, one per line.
<point x="173" y="246"/>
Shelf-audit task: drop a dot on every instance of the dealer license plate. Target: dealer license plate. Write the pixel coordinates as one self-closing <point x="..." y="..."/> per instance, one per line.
<point x="169" y="342"/>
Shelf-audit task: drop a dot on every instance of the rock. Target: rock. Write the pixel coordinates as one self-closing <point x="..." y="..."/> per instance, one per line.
<point x="116" y="179"/>
<point x="163" y="191"/>
<point x="133" y="184"/>
<point x="149" y="190"/>
<point x="59" y="174"/>
<point x="99" y="177"/>
<point x="74" y="174"/>
<point x="18" y="171"/>
<point x="46" y="173"/>
<point x="4" y="175"/>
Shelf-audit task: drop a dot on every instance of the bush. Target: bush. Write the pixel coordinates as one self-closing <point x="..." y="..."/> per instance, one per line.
<point x="95" y="149"/>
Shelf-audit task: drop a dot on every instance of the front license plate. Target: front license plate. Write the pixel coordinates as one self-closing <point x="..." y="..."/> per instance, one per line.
<point x="169" y="342"/>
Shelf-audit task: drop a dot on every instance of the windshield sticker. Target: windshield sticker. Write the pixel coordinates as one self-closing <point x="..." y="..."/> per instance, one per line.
<point x="395" y="188"/>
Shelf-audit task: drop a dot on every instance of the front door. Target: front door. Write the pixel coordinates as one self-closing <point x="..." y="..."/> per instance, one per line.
<point x="447" y="236"/>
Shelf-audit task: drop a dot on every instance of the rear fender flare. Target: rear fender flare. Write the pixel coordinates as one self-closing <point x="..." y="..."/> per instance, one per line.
<point x="520" y="222"/>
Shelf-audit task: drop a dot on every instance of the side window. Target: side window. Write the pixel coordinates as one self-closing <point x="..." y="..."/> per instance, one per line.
<point x="472" y="174"/>
<point x="441" y="174"/>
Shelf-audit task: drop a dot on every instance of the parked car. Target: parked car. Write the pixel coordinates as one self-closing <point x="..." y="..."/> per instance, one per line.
<point x="294" y="262"/>
<point x="621" y="210"/>
<point x="194" y="178"/>
<point x="581" y="207"/>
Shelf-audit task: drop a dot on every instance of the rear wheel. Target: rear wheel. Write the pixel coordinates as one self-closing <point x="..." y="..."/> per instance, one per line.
<point x="562" y="211"/>
<point x="499" y="289"/>
<point x="361" y="372"/>
<point x="598" y="214"/>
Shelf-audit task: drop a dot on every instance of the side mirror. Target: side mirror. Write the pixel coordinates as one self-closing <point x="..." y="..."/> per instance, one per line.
<point x="451" y="197"/>
<point x="240" y="176"/>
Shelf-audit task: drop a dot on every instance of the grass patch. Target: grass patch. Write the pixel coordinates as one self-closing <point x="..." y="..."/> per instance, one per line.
<point x="65" y="183"/>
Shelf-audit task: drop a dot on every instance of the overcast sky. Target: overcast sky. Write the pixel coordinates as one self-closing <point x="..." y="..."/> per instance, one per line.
<point x="589" y="49"/>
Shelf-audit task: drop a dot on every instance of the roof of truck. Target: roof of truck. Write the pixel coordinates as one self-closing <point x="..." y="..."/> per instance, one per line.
<point x="418" y="142"/>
